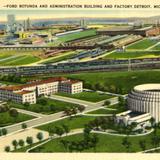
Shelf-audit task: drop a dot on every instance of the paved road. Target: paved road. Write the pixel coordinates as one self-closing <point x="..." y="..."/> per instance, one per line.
<point x="72" y="132"/>
<point x="72" y="100"/>
<point x="34" y="114"/>
<point x="102" y="92"/>
<point x="89" y="106"/>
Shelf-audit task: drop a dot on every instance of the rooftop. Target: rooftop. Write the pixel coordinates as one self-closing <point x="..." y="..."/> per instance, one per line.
<point x="116" y="28"/>
<point x="38" y="82"/>
<point x="148" y="87"/>
<point x="71" y="82"/>
<point x="23" y="92"/>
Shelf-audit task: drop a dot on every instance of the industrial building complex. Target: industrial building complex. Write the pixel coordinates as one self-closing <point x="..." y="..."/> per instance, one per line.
<point x="85" y="78"/>
<point x="144" y="31"/>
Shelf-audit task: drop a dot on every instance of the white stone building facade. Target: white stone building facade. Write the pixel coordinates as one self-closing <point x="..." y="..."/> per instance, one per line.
<point x="29" y="92"/>
<point x="146" y="99"/>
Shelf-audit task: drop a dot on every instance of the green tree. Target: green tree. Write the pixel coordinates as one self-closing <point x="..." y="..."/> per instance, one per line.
<point x="15" y="143"/>
<point x="87" y="130"/>
<point x="121" y="101"/>
<point x="104" y="126"/>
<point x="24" y="125"/>
<point x="52" y="131"/>
<point x="42" y="101"/>
<point x="7" y="149"/>
<point x="65" y="144"/>
<point x="59" y="131"/>
<point x="66" y="128"/>
<point x="40" y="136"/>
<point x="26" y="104"/>
<point x="152" y="121"/>
<point x="95" y="141"/>
<point x="107" y="103"/>
<point x="67" y="112"/>
<point x="74" y="111"/>
<point x="29" y="140"/>
<point x="81" y="108"/>
<point x="4" y="131"/>
<point x="13" y="113"/>
<point x="21" y="142"/>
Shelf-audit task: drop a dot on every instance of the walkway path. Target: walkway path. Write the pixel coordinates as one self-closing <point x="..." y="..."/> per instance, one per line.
<point x="108" y="93"/>
<point x="150" y="150"/>
<point x="73" y="132"/>
<point x="89" y="106"/>
<point x="149" y="48"/>
<point x="78" y="131"/>
<point x="34" y="114"/>
<point x="123" y="135"/>
<point x="9" y="58"/>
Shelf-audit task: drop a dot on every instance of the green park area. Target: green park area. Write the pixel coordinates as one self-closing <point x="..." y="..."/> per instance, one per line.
<point x="12" y="57"/>
<point x="116" y="82"/>
<point x="7" y="119"/>
<point x="44" y="105"/>
<point x="103" y="111"/>
<point x="72" y="122"/>
<point x="117" y="107"/>
<point x="106" y="143"/>
<point x="132" y="54"/>
<point x="141" y="45"/>
<point x="25" y="148"/>
<point x="78" y="35"/>
<point x="87" y="96"/>
<point x="112" y="109"/>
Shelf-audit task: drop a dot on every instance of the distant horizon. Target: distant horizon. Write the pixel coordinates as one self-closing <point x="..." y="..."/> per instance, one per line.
<point x="61" y="14"/>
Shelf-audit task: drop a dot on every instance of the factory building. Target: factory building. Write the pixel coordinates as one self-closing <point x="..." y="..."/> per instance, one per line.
<point x="145" y="32"/>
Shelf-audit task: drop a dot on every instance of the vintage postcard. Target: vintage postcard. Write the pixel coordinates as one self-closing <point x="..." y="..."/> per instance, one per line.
<point x="79" y="79"/>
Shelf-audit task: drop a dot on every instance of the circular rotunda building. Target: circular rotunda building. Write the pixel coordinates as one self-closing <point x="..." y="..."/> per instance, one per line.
<point x="145" y="99"/>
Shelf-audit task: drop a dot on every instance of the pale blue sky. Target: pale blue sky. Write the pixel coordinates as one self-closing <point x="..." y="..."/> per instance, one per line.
<point x="43" y="13"/>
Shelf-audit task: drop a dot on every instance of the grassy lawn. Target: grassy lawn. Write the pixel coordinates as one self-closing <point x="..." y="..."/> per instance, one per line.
<point x="63" y="57"/>
<point x="72" y="123"/>
<point x="105" y="111"/>
<point x="21" y="60"/>
<point x="74" y="36"/>
<point x="117" y="107"/>
<point x="111" y="81"/>
<point x="107" y="143"/>
<point x="6" y="119"/>
<point x="132" y="55"/>
<point x="156" y="47"/>
<point x="87" y="96"/>
<point x="144" y="44"/>
<point x="102" y="111"/>
<point x="45" y="109"/>
<point x="18" y="57"/>
<point x="2" y="56"/>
